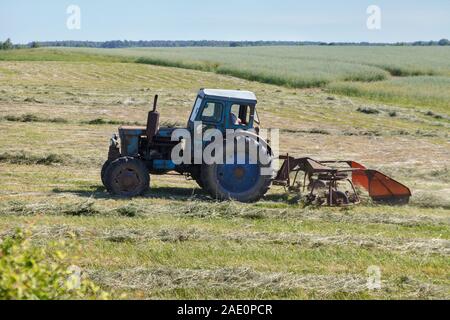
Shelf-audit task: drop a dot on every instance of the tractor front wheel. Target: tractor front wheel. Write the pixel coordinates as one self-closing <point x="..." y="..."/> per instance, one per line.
<point x="127" y="177"/>
<point x="102" y="174"/>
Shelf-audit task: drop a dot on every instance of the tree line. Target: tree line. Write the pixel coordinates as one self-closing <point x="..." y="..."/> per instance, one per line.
<point x="7" y="45"/>
<point x="213" y="43"/>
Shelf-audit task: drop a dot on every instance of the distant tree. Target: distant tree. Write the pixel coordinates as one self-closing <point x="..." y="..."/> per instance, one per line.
<point x="7" y="45"/>
<point x="34" y="45"/>
<point x="444" y="42"/>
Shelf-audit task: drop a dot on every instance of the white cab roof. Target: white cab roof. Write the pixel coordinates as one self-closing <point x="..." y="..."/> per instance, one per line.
<point x="230" y="94"/>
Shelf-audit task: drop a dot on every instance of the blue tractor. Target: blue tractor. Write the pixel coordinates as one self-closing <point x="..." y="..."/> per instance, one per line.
<point x="138" y="152"/>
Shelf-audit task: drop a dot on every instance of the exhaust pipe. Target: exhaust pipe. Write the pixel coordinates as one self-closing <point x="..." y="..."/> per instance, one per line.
<point x="155" y="103"/>
<point x="153" y="122"/>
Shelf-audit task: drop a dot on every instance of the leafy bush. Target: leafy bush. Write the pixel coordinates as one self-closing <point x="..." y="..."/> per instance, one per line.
<point x="28" y="272"/>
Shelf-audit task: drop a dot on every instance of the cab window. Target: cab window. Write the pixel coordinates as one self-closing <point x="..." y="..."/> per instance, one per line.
<point x="212" y="112"/>
<point x="196" y="109"/>
<point x="240" y="115"/>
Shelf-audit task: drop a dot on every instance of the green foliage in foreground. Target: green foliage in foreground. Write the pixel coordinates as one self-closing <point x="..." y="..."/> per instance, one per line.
<point x="28" y="272"/>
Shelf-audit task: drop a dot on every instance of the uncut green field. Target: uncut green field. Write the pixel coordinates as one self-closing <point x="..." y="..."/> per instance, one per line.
<point x="58" y="109"/>
<point x="387" y="73"/>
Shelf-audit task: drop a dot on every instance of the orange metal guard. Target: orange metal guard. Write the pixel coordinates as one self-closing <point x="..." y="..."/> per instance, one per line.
<point x="381" y="188"/>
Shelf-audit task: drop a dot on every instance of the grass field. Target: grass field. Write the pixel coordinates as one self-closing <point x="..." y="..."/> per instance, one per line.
<point x="374" y="69"/>
<point x="411" y="76"/>
<point x="58" y="110"/>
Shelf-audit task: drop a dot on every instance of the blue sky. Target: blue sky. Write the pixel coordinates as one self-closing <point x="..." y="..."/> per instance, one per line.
<point x="317" y="20"/>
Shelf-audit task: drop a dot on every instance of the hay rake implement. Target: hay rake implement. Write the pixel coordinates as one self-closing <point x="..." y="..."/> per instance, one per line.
<point x="325" y="182"/>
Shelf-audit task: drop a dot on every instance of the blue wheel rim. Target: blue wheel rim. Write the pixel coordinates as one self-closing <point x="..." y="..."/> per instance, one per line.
<point x="238" y="178"/>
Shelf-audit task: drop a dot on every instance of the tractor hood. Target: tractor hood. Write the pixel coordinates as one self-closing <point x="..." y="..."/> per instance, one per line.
<point x="130" y="135"/>
<point x="128" y="131"/>
<point x="166" y="132"/>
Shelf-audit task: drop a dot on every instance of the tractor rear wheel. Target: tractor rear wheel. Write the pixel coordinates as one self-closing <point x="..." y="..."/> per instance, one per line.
<point x="197" y="177"/>
<point x="127" y="177"/>
<point x="247" y="182"/>
<point x="199" y="181"/>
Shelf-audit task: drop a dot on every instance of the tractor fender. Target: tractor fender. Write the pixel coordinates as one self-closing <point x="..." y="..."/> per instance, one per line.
<point x="257" y="140"/>
<point x="252" y="135"/>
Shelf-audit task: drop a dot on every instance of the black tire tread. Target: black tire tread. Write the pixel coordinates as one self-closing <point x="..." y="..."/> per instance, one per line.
<point x="103" y="171"/>
<point x="140" y="167"/>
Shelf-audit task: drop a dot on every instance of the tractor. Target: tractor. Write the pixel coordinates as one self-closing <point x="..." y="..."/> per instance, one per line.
<point x="138" y="152"/>
<point x="142" y="151"/>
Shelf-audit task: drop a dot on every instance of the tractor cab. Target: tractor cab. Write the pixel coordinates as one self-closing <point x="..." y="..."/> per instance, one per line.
<point x="224" y="109"/>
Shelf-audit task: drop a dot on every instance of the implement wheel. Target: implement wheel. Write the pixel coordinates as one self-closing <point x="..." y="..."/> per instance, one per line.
<point x="339" y="198"/>
<point x="127" y="177"/>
